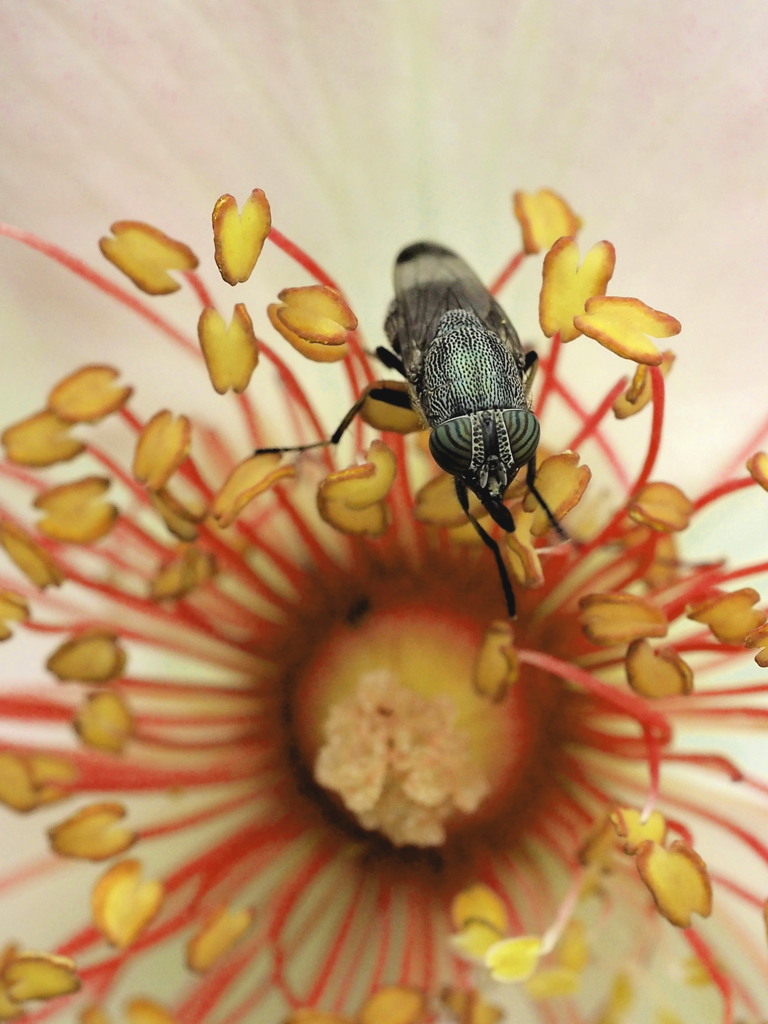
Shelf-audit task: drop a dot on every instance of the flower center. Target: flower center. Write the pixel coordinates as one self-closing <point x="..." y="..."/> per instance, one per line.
<point x="386" y="717"/>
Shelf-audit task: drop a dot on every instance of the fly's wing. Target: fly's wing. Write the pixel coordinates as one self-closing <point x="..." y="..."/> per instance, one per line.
<point x="430" y="280"/>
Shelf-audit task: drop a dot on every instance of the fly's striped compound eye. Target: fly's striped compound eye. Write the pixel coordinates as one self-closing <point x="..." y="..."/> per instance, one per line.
<point x="451" y="445"/>
<point x="523" y="433"/>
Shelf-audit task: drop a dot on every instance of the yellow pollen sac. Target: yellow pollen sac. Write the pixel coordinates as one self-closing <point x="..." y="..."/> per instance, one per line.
<point x="146" y="255"/>
<point x="561" y="481"/>
<point x="572" y="950"/>
<point x="353" y="500"/>
<point x="40" y="440"/>
<point x="326" y="352"/>
<point x="123" y="905"/>
<point x="314" y="319"/>
<point x="74" y="512"/>
<point x="469" y="1007"/>
<point x="479" y="903"/>
<point x="251" y="477"/>
<point x="182" y="521"/>
<point x="221" y="930"/>
<point x="757" y="467"/>
<point x="677" y="879"/>
<point x="640" y="392"/>
<point x="307" y="1015"/>
<point x="33" y="975"/>
<point x="566" y="286"/>
<point x="758" y="640"/>
<point x="34" y="561"/>
<point x="480" y="920"/>
<point x="522" y="556"/>
<point x="92" y="833"/>
<point x="88" y="395"/>
<point x="399" y="762"/>
<point x="544" y="217"/>
<point x="385" y="416"/>
<point x="92" y="1015"/>
<point x="161" y="448"/>
<point x="655" y="674"/>
<point x="631" y="828"/>
<point x="496" y="667"/>
<point x="178" y="578"/>
<point x="622" y="325"/>
<point x="231" y="352"/>
<point x="94" y="656"/>
<point x="239" y="235"/>
<point x="553" y="983"/>
<point x="661" y="506"/>
<point x="436" y="504"/>
<point x="13" y="608"/>
<point x="514" y="959"/>
<point x="730" y="616"/>
<point x="104" y="722"/>
<point x="609" y="619"/>
<point x="599" y="847"/>
<point x="30" y="781"/>
<point x="393" y="1005"/>
<point x="316" y="313"/>
<point x="146" y="1011"/>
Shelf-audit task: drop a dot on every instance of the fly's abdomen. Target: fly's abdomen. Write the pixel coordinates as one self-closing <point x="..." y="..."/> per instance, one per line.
<point x="467" y="369"/>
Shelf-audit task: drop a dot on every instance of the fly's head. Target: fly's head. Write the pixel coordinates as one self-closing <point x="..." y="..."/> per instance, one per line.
<point x="486" y="450"/>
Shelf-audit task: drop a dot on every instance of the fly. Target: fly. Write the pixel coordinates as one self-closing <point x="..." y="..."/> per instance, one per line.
<point x="468" y="377"/>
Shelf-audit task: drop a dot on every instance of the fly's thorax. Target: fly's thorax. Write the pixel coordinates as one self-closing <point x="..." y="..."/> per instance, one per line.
<point x="486" y="449"/>
<point x="467" y="369"/>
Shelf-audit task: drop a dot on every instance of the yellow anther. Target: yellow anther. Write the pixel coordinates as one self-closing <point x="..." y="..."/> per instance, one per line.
<point x="677" y="879"/>
<point x="730" y="616"/>
<point x="92" y="833"/>
<point x="544" y="217"/>
<point x="218" y="933"/>
<point x="231" y="352"/>
<point x="95" y="656"/>
<point x="496" y="666"/>
<point x="639" y="392"/>
<point x="75" y="512"/>
<point x="190" y="569"/>
<point x="353" y="500"/>
<point x="661" y="673"/>
<point x="633" y="830"/>
<point x="661" y="506"/>
<point x="609" y="619"/>
<point x="104" y="722"/>
<point x="561" y="482"/>
<point x="13" y="608"/>
<point x="567" y="286"/>
<point x="248" y="479"/>
<point x="623" y="326"/>
<point x="31" y="558"/>
<point x="239" y="235"/>
<point x="161" y="448"/>
<point x="123" y="904"/>
<point x="88" y="395"/>
<point x="146" y="255"/>
<point x="40" y="440"/>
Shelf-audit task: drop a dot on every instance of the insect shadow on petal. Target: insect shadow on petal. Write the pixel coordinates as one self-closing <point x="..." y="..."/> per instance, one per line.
<point x="468" y="377"/>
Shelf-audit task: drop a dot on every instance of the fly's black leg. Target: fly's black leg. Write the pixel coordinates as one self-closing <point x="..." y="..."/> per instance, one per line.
<point x="379" y="391"/>
<point x="531" y="484"/>
<point x="390" y="359"/>
<point x="529" y="368"/>
<point x="506" y="586"/>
